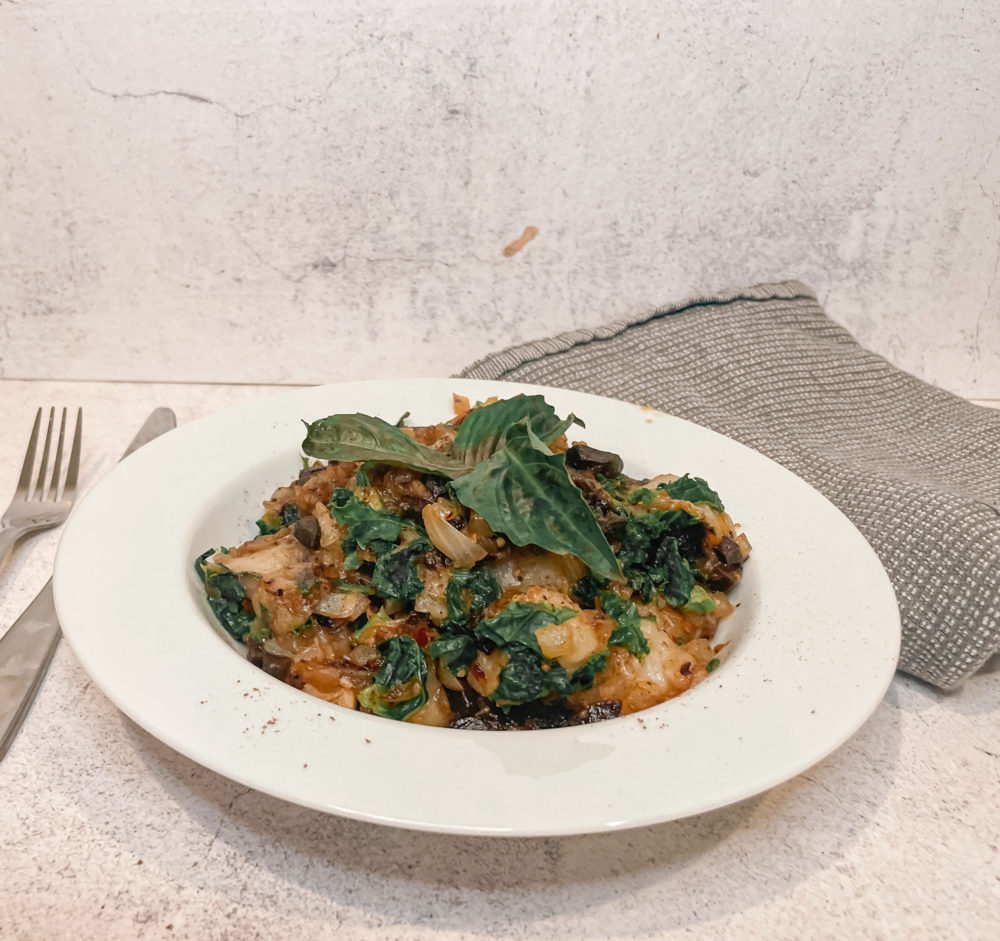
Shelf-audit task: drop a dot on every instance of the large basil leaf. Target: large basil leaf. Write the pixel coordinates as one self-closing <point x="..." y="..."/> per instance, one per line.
<point x="524" y="491"/>
<point x="366" y="438"/>
<point x="482" y="430"/>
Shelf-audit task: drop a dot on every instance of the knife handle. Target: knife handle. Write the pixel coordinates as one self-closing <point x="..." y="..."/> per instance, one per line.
<point x="25" y="652"/>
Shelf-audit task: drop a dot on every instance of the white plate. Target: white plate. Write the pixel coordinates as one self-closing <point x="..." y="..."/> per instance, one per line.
<point x="814" y="640"/>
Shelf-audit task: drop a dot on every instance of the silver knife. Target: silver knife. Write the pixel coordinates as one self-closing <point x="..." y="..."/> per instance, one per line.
<point x="27" y="648"/>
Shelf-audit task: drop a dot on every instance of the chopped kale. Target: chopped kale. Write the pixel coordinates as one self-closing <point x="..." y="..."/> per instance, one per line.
<point x="528" y="676"/>
<point x="642" y="495"/>
<point x="274" y="520"/>
<point x="395" y="574"/>
<point x="268" y="523"/>
<point x="583" y="676"/>
<point x="700" y="601"/>
<point x="455" y="651"/>
<point x="613" y="485"/>
<point x="518" y="621"/>
<point x="225" y="595"/>
<point x="694" y="490"/>
<point x="470" y="592"/>
<point x="367" y="528"/>
<point x="628" y="633"/>
<point x="363" y="634"/>
<point x="655" y="554"/>
<point x="260" y="629"/>
<point x="399" y="687"/>
<point x="586" y="590"/>
<point x="352" y="586"/>
<point x="199" y="564"/>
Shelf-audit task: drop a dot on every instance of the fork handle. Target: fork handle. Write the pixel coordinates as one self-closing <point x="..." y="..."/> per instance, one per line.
<point x="25" y="652"/>
<point x="7" y="539"/>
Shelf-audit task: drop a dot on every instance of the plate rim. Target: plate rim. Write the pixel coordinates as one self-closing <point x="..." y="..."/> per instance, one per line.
<point x="83" y="646"/>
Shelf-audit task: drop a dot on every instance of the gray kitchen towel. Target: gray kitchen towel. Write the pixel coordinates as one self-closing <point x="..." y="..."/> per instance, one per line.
<point x="916" y="469"/>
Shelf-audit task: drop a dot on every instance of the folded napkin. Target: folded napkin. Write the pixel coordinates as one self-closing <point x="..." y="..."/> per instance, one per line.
<point x="916" y="469"/>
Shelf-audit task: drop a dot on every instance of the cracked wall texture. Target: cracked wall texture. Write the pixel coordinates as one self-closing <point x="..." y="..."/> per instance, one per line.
<point x="307" y="192"/>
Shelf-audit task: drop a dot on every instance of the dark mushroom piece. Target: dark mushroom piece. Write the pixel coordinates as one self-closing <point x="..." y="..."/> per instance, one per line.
<point x="307" y="532"/>
<point x="613" y="526"/>
<point x="583" y="457"/>
<point x="308" y="472"/>
<point x="592" y="491"/>
<point x="276" y="665"/>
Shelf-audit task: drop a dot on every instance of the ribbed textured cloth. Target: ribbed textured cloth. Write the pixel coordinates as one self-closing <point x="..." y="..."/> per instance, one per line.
<point x="916" y="469"/>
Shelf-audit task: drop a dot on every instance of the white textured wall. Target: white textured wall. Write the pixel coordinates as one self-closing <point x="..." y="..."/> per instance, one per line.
<point x="306" y="190"/>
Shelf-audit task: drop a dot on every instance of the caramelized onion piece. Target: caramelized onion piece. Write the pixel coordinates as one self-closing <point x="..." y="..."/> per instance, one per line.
<point x="462" y="550"/>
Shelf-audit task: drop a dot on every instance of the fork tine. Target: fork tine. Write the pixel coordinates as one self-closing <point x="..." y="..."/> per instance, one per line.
<point x="40" y="486"/>
<point x="24" y="481"/>
<point x="57" y="467"/>
<point x="73" y="471"/>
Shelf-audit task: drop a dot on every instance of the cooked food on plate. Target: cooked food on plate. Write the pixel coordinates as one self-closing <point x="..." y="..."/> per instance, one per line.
<point x="480" y="573"/>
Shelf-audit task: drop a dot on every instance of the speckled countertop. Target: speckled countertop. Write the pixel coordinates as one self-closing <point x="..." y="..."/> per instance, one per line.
<point x="107" y="833"/>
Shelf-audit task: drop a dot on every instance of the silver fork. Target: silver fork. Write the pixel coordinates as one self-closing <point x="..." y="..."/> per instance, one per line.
<point x="41" y="506"/>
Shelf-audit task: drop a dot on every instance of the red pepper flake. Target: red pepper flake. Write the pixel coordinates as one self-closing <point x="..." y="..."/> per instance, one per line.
<point x="477" y="671"/>
<point x="685" y="668"/>
<point x="422" y="638"/>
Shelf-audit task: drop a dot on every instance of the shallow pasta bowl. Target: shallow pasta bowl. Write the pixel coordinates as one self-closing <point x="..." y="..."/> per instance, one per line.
<point x="811" y="647"/>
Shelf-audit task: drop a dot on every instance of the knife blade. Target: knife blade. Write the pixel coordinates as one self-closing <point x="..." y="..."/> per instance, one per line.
<point x="28" y="646"/>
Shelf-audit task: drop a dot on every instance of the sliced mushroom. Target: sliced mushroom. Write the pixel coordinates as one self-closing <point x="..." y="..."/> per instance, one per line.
<point x="583" y="457"/>
<point x="307" y="532"/>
